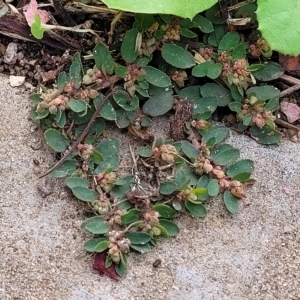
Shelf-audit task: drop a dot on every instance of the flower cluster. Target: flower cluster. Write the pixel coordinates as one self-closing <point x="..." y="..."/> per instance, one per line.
<point x="151" y="222"/>
<point x="106" y="180"/>
<point x="165" y="153"/>
<point x="117" y="244"/>
<point x="259" y="116"/>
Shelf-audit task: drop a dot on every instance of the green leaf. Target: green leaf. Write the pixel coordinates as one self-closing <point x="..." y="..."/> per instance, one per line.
<point x="189" y="150"/>
<point x="56" y="140"/>
<point x="141" y="248"/>
<point x="265" y="135"/>
<point x="109" y="163"/>
<point x="202" y="183"/>
<point x="66" y="168"/>
<point x="73" y="182"/>
<point x="218" y="132"/>
<point x="121" y="267"/>
<point x="119" y="191"/>
<point x="159" y="103"/>
<point x="198" y="191"/>
<point x="146" y="122"/>
<point x="271" y="71"/>
<point x="121" y="71"/>
<point x="231" y="202"/>
<point x="102" y="246"/>
<point x="213" y="14"/>
<point x="145" y="151"/>
<point x="272" y="105"/>
<point x="229" y="41"/>
<point x="157" y="77"/>
<point x="35" y="98"/>
<point x="172" y="228"/>
<point x="224" y="154"/>
<point x="128" y="104"/>
<point x="107" y="112"/>
<point x="128" y="51"/>
<point x="209" y="69"/>
<point x="198" y="210"/>
<point x="95" y="225"/>
<point x="138" y="238"/>
<point x="85" y="194"/>
<point x="131" y="216"/>
<point x="144" y="20"/>
<point x="187" y="33"/>
<point x="214" y="90"/>
<point x="122" y="120"/>
<point x="91" y="245"/>
<point x="103" y="59"/>
<point x="192" y="93"/>
<point x="263" y="92"/>
<point x="235" y="106"/>
<point x="286" y="37"/>
<point x="205" y="105"/>
<point x="108" y="147"/>
<point x="36" y="29"/>
<point x="239" y="51"/>
<point x="177" y="56"/>
<point x="241" y="170"/>
<point x="203" y="24"/>
<point x="178" y="8"/>
<point x="75" y="74"/>
<point x="213" y="188"/>
<point x="181" y="179"/>
<point x="167" y="187"/>
<point x="62" y="79"/>
<point x="77" y="105"/>
<point x="164" y="211"/>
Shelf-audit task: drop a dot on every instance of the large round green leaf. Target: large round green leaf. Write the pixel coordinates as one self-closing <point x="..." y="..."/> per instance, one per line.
<point x="177" y="56"/>
<point x="279" y="24"/>
<point x="182" y="8"/>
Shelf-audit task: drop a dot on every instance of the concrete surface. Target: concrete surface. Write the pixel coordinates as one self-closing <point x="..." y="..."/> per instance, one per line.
<point x="253" y="255"/>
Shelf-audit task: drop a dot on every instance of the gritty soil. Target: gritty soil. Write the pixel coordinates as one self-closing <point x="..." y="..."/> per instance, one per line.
<point x="252" y="255"/>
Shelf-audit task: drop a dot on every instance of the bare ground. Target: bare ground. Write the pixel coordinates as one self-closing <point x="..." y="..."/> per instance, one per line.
<point x="253" y="255"/>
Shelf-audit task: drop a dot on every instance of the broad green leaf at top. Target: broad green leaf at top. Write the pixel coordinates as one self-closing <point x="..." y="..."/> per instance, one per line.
<point x="181" y="8"/>
<point x="279" y="24"/>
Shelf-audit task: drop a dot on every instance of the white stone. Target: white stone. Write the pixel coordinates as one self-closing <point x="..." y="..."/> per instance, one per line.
<point x="16" y="80"/>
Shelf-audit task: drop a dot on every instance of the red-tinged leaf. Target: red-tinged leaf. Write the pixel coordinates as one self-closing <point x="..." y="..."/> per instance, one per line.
<point x="99" y="264"/>
<point x="32" y="9"/>
<point x="291" y="110"/>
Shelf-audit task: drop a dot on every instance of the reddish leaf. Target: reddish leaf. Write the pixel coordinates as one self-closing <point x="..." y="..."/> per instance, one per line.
<point x="31" y="10"/>
<point x="290" y="63"/>
<point x="99" y="264"/>
<point x="291" y="110"/>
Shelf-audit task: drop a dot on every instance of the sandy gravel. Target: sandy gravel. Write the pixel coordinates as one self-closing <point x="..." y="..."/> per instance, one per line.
<point x="253" y="255"/>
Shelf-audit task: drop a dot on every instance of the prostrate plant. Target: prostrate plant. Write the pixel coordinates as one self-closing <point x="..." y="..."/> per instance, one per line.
<point x="162" y="60"/>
